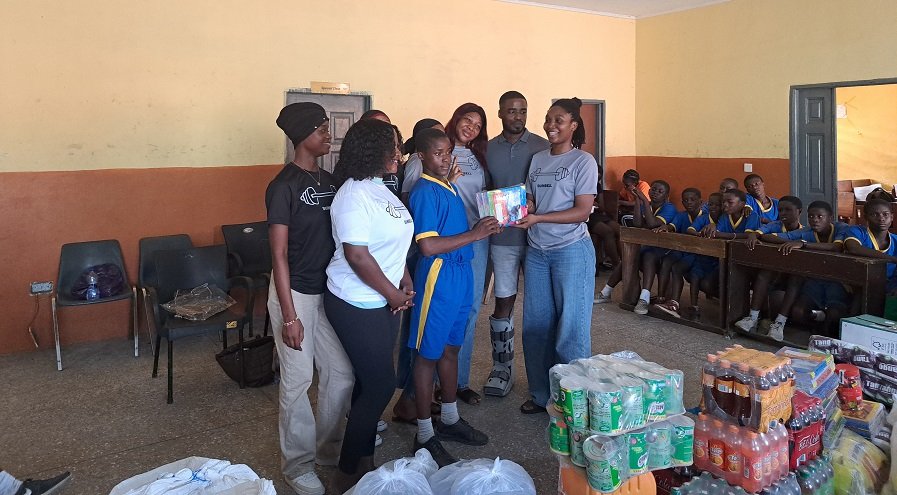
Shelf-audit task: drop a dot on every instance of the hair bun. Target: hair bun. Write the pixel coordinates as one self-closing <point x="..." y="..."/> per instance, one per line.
<point x="576" y="102"/>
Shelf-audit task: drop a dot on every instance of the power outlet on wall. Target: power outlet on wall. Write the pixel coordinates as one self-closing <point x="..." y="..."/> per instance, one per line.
<point x="41" y="287"/>
<point x="748" y="168"/>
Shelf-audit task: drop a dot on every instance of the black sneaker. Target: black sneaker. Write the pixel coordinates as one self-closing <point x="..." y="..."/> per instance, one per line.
<point x="45" y="487"/>
<point x="435" y="448"/>
<point x="460" y="432"/>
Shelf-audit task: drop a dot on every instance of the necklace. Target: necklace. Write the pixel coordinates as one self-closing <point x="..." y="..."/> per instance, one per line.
<point x="316" y="179"/>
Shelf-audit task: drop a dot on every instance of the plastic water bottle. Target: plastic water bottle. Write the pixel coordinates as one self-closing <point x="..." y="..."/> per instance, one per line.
<point x="93" y="293"/>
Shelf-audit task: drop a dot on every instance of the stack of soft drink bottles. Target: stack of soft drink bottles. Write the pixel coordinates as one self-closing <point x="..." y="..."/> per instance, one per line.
<point x="815" y="478"/>
<point x="805" y="429"/>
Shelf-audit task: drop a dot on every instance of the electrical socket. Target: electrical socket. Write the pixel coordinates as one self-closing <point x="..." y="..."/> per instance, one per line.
<point x="748" y="168"/>
<point x="41" y="287"/>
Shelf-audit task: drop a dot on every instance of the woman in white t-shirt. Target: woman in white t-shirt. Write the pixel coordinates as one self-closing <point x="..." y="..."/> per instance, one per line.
<point x="367" y="283"/>
<point x="559" y="273"/>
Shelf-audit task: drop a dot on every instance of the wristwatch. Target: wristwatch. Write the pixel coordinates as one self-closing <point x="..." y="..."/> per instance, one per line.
<point x="803" y="243"/>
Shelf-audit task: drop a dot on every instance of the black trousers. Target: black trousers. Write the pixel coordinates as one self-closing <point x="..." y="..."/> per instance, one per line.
<point x="369" y="338"/>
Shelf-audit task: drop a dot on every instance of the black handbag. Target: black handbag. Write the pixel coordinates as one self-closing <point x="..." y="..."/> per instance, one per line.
<point x="259" y="356"/>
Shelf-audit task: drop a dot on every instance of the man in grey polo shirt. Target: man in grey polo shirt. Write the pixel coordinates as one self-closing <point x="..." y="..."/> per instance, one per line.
<point x="508" y="155"/>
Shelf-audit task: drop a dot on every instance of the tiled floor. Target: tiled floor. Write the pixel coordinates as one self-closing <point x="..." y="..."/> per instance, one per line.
<point x="105" y="419"/>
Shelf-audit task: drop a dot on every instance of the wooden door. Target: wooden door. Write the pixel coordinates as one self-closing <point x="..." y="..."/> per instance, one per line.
<point x="813" y="145"/>
<point x="344" y="110"/>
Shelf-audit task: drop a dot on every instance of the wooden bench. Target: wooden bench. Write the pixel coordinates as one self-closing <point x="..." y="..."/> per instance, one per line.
<point x="634" y="238"/>
<point x="866" y="275"/>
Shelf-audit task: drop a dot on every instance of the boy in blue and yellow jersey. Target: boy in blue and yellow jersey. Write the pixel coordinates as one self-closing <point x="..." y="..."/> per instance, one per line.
<point x="757" y="200"/>
<point x="691" y="202"/>
<point x="789" y="221"/>
<point x="651" y="212"/>
<point x="444" y="279"/>
<point x="874" y="240"/>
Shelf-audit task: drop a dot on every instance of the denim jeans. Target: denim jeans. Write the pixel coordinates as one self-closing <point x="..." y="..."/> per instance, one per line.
<point x="559" y="285"/>
<point x="478" y="264"/>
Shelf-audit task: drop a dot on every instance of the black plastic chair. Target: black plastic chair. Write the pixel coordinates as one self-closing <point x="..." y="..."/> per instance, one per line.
<point x="146" y="275"/>
<point x="249" y="255"/>
<point x="185" y="269"/>
<point x="74" y="259"/>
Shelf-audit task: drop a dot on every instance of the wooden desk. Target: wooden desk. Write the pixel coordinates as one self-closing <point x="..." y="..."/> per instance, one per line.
<point x="868" y="275"/>
<point x="634" y="238"/>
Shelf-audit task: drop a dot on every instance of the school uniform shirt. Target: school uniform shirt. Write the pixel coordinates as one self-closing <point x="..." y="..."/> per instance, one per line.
<point x="295" y="199"/>
<point x="413" y="169"/>
<point x="367" y="213"/>
<point x="863" y="235"/>
<point x="727" y="224"/>
<point x="438" y="211"/>
<point x="771" y="213"/>
<point x="683" y="220"/>
<point x="508" y="166"/>
<point x="776" y="227"/>
<point x="701" y="222"/>
<point x="666" y="213"/>
<point x="472" y="180"/>
<point x="555" y="181"/>
<point x="836" y="235"/>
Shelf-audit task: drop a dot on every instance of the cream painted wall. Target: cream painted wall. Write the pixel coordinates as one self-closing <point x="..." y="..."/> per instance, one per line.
<point x="714" y="81"/>
<point x="867" y="138"/>
<point x="105" y="84"/>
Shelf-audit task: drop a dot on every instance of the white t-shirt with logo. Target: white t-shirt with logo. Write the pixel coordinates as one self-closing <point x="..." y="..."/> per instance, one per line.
<point x="367" y="213"/>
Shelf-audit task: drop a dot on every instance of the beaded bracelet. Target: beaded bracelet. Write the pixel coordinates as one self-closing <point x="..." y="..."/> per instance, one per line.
<point x="288" y="323"/>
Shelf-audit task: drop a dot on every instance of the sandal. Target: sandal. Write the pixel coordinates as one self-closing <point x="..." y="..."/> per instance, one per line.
<point x="530" y="407"/>
<point x="469" y="396"/>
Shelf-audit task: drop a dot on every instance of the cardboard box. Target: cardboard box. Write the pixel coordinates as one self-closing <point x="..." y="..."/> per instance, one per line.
<point x="871" y="332"/>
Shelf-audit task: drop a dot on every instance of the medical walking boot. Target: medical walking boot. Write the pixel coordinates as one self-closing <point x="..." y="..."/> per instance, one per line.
<point x="501" y="379"/>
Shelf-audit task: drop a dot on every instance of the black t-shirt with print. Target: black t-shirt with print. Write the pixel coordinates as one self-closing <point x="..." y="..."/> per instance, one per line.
<point x="295" y="199"/>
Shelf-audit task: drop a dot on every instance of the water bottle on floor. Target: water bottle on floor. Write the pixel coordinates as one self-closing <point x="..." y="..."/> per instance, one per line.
<point x="93" y="293"/>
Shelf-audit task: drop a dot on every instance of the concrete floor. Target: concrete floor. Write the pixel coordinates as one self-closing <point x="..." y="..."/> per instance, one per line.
<point x="105" y="419"/>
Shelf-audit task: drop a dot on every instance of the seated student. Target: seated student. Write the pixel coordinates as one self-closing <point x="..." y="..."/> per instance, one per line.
<point x="605" y="229"/>
<point x="631" y="180"/>
<point x="790" y="209"/>
<point x="874" y="240"/>
<point x="724" y="185"/>
<point x="757" y="200"/>
<point x="685" y="266"/>
<point x="736" y="222"/>
<point x="442" y="305"/>
<point x="649" y="213"/>
<point x="691" y="202"/>
<point x="813" y="295"/>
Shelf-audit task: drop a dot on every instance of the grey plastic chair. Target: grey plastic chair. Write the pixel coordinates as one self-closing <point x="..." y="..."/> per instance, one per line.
<point x="74" y="259"/>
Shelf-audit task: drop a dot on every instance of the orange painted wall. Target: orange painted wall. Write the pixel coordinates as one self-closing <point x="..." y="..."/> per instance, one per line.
<point x="706" y="173"/>
<point x="43" y="210"/>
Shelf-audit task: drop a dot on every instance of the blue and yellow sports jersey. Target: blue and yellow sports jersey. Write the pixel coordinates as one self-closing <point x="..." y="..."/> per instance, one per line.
<point x="776" y="227"/>
<point x="701" y="222"/>
<point x="683" y="220"/>
<point x="437" y="210"/>
<point x="863" y="235"/>
<point x="727" y="224"/>
<point x="771" y="213"/>
<point x="836" y="234"/>
<point x="666" y="212"/>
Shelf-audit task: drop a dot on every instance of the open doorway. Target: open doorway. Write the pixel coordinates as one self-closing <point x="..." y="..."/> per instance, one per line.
<point x="844" y="142"/>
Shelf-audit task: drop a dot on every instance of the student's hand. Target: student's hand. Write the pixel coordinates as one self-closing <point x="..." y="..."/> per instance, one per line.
<point x="527" y="221"/>
<point x="663" y="228"/>
<point x="486" y="227"/>
<point x="293" y="334"/>
<point x="746" y="211"/>
<point x="454" y="170"/>
<point x="708" y="231"/>
<point x="752" y="240"/>
<point x="788" y="246"/>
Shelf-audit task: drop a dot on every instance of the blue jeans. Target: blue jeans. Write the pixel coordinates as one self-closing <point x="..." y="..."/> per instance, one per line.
<point x="557" y="310"/>
<point x="478" y="264"/>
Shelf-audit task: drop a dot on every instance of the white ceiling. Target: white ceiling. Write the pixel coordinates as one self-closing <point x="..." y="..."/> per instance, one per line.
<point x="631" y="9"/>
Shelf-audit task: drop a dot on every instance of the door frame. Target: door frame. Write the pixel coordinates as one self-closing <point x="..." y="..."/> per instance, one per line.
<point x="600" y="131"/>
<point x="832" y="148"/>
<point x="368" y="104"/>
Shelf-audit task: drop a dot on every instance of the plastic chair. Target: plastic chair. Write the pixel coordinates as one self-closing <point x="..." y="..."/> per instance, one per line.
<point x="146" y="275"/>
<point x="74" y="259"/>
<point x="184" y="269"/>
<point x="249" y="255"/>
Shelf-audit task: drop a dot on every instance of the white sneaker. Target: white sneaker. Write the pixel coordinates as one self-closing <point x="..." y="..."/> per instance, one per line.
<point x="601" y="299"/>
<point x="378" y="440"/>
<point x="777" y="331"/>
<point x="381" y="425"/>
<point x="641" y="307"/>
<point x="747" y="324"/>
<point x="307" y="484"/>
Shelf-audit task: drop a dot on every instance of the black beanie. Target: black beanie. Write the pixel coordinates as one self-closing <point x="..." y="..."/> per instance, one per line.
<point x="299" y="120"/>
<point x="410" y="146"/>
